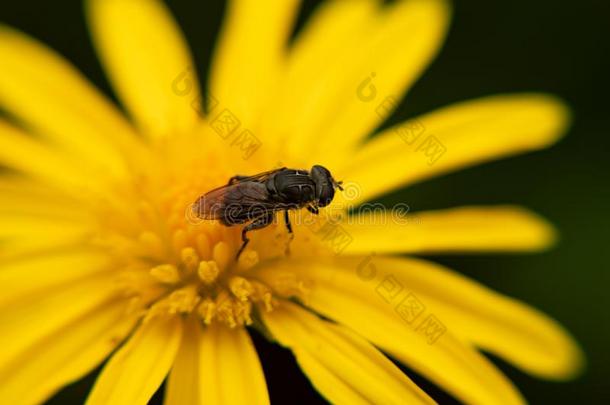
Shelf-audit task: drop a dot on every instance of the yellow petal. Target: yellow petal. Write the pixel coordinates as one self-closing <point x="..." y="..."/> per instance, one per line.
<point x="30" y="317"/>
<point x="51" y="96"/>
<point x="248" y="58"/>
<point x="341" y="365"/>
<point x="29" y="210"/>
<point x="22" y="195"/>
<point x="42" y="274"/>
<point x="333" y="25"/>
<point x="230" y="371"/>
<point x="463" y="229"/>
<point x="29" y="226"/>
<point x="455" y="137"/>
<point x="21" y="152"/>
<point x="355" y="88"/>
<point x="25" y="245"/>
<point x="429" y="348"/>
<point x="134" y="373"/>
<point x="501" y="325"/>
<point x="65" y="355"/>
<point x="183" y="383"/>
<point x="22" y="234"/>
<point x="147" y="61"/>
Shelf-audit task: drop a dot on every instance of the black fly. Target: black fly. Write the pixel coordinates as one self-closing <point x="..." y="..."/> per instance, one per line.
<point x="255" y="199"/>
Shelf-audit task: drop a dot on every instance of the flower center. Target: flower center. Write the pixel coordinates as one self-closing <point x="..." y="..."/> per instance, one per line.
<point x="173" y="263"/>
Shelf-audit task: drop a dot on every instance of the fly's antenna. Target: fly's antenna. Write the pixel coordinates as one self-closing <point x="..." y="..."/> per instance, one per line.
<point x="338" y="184"/>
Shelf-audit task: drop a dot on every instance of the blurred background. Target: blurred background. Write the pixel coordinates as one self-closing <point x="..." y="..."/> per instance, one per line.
<point x="556" y="46"/>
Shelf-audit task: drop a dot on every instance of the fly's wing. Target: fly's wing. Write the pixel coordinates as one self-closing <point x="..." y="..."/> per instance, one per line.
<point x="211" y="204"/>
<point x="236" y="203"/>
<point x="261" y="177"/>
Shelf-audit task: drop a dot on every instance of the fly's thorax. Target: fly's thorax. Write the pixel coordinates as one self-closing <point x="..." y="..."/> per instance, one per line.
<point x="295" y="186"/>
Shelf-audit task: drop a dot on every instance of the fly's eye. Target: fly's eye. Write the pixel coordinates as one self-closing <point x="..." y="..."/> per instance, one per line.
<point x="326" y="195"/>
<point x="325" y="191"/>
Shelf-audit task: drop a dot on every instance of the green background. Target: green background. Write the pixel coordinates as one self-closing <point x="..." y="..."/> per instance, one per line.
<point x="560" y="47"/>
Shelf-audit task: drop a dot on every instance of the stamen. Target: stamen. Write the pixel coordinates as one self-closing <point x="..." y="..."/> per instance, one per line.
<point x="203" y="246"/>
<point x="151" y="245"/>
<point x="183" y="300"/>
<point x="287" y="284"/>
<point x="165" y="273"/>
<point x="221" y="254"/>
<point x="263" y="293"/>
<point x="208" y="271"/>
<point x="224" y="309"/>
<point x="207" y="310"/>
<point x="247" y="260"/>
<point x="190" y="259"/>
<point x="179" y="241"/>
<point x="241" y="288"/>
<point x="242" y="312"/>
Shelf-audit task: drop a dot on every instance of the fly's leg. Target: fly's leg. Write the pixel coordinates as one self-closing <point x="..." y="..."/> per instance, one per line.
<point x="289" y="227"/>
<point x="258" y="223"/>
<point x="313" y="209"/>
<point x="288" y="224"/>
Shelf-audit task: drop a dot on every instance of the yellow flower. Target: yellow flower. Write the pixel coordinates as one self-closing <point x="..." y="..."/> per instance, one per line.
<point x="100" y="257"/>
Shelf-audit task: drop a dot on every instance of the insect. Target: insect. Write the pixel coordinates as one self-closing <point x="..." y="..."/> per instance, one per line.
<point x="256" y="199"/>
